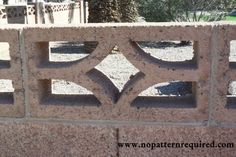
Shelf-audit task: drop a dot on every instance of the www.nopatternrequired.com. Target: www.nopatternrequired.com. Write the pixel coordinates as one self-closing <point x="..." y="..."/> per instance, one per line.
<point x="190" y="145"/>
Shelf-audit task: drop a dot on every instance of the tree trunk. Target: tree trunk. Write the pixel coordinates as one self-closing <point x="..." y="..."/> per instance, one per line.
<point x="128" y="10"/>
<point x="101" y="11"/>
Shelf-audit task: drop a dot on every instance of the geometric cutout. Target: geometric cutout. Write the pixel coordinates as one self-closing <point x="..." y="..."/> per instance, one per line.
<point x="174" y="94"/>
<point x="47" y="97"/>
<point x="62" y="87"/>
<point x="63" y="51"/>
<point x="6" y="92"/>
<point x="150" y="58"/>
<point x="232" y="89"/>
<point x="171" y="89"/>
<point x="116" y="103"/>
<point x="170" y="51"/>
<point x="232" y="55"/>
<point x="4" y="55"/>
<point x="117" y="68"/>
<point x="231" y="96"/>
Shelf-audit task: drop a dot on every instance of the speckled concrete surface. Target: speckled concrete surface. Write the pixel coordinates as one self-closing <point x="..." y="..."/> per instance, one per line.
<point x="117" y="67"/>
<point x="168" y="134"/>
<point x="58" y="126"/>
<point x="12" y="104"/>
<point x="38" y="139"/>
<point x="56" y="140"/>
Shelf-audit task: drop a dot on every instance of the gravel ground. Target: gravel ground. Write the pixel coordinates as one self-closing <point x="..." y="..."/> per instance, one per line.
<point x="118" y="68"/>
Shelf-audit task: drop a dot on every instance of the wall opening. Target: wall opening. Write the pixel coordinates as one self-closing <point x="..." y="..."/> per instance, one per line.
<point x="171" y="51"/>
<point x="174" y="94"/>
<point x="5" y="55"/>
<point x="6" y="92"/>
<point x="231" y="95"/>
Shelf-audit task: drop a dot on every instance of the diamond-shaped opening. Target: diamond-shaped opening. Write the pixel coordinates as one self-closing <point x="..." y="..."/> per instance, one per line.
<point x="6" y="92"/>
<point x="61" y="92"/>
<point x="171" y="51"/>
<point x="232" y="54"/>
<point x="117" y="68"/>
<point x="174" y="94"/>
<point x="4" y="55"/>
<point x="231" y="95"/>
<point x="64" y="51"/>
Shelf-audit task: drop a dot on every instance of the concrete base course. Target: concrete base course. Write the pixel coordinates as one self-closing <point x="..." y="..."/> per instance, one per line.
<point x="44" y="138"/>
<point x="188" y="134"/>
<point x="56" y="140"/>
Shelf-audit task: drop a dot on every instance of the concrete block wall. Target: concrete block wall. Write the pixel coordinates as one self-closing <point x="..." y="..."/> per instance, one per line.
<point x="62" y="13"/>
<point x="3" y="15"/>
<point x="16" y="14"/>
<point x="13" y="105"/>
<point x="39" y="123"/>
<point x="52" y="13"/>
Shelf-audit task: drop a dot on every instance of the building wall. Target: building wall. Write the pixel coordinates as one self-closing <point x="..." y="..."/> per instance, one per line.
<point x="57" y="13"/>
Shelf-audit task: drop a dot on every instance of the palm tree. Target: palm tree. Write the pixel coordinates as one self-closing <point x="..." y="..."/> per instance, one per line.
<point x="128" y="10"/>
<point x="110" y="11"/>
<point x="101" y="11"/>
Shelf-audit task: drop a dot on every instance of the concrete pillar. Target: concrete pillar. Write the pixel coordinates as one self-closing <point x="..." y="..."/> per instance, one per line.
<point x="86" y="12"/>
<point x="39" y="5"/>
<point x="82" y="11"/>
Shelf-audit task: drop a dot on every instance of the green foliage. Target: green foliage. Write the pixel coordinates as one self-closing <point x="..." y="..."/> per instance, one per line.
<point x="214" y="16"/>
<point x="184" y="10"/>
<point x="230" y="18"/>
<point x="154" y="10"/>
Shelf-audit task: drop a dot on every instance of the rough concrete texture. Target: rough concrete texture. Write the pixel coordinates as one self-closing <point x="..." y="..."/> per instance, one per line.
<point x="40" y="140"/>
<point x="12" y="104"/>
<point x="223" y="67"/>
<point x="115" y="104"/>
<point x="45" y="132"/>
<point x="169" y="134"/>
<point x="209" y="69"/>
<point x="63" y="13"/>
<point x="45" y="138"/>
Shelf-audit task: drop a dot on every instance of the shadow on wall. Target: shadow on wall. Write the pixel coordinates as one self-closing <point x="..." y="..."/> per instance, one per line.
<point x="175" y="88"/>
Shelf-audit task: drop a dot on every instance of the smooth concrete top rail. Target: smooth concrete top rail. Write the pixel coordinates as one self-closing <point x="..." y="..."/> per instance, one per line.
<point x="31" y="72"/>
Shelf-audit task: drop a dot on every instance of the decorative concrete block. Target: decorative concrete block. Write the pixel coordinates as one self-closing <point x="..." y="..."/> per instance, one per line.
<point x="11" y="70"/>
<point x="116" y="105"/>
